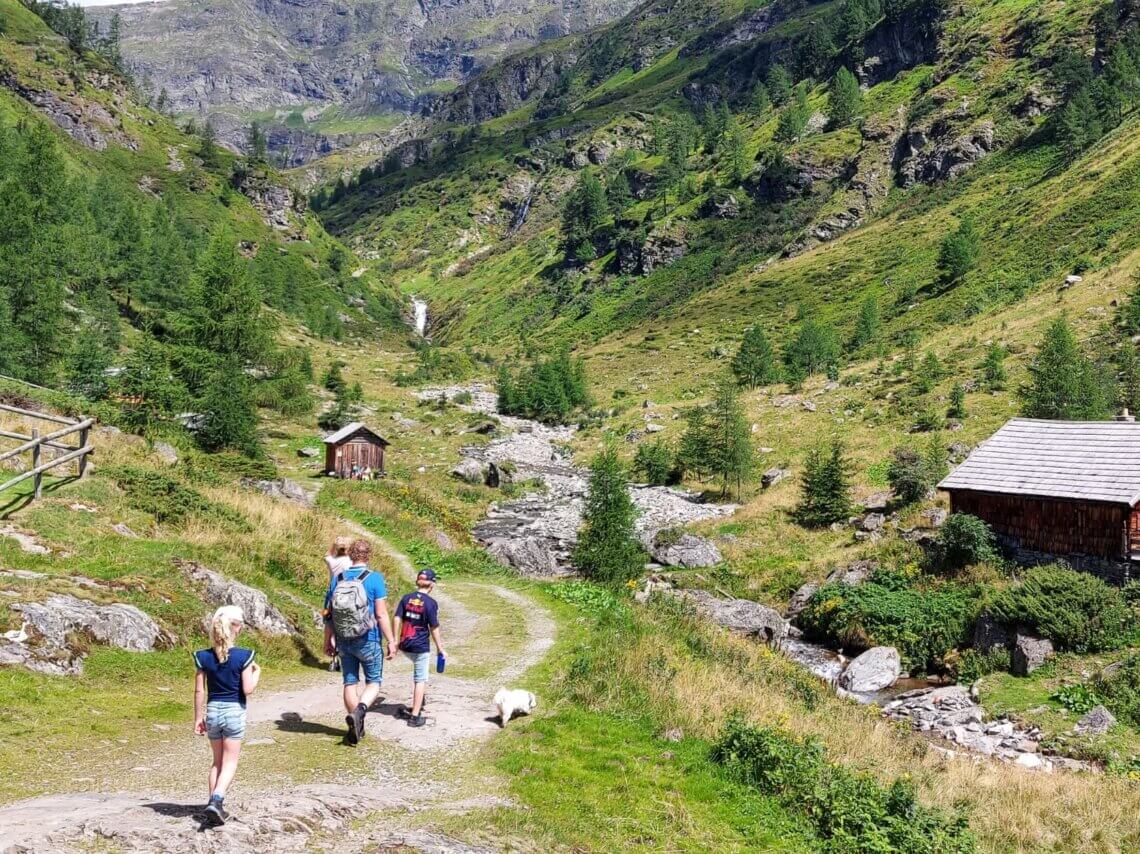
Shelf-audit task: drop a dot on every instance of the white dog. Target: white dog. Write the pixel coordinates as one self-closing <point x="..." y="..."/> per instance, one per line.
<point x="511" y="702"/>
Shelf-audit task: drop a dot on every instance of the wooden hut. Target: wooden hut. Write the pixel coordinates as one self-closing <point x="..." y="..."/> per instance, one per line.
<point x="352" y="449"/>
<point x="1058" y="488"/>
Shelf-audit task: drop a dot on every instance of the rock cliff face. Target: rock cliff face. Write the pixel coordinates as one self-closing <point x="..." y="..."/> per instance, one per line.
<point x="305" y="61"/>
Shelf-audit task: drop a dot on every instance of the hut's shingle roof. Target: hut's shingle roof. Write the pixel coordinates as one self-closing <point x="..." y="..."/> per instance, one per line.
<point x="1085" y="460"/>
<point x="348" y="429"/>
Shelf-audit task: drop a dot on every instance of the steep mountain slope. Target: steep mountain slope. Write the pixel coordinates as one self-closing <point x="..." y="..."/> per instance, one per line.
<point x="327" y="75"/>
<point x="473" y="224"/>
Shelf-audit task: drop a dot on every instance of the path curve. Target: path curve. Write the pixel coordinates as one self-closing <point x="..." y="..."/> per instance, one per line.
<point x="283" y="820"/>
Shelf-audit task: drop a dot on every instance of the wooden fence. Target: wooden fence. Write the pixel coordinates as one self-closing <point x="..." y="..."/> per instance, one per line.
<point x="38" y="441"/>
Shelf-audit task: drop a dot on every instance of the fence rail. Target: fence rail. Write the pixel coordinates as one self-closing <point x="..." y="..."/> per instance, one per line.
<point x="36" y="442"/>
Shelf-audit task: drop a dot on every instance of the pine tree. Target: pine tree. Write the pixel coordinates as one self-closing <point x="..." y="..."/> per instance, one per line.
<point x="993" y="368"/>
<point x="147" y="388"/>
<point x="585" y="210"/>
<point x="825" y="487"/>
<point x="88" y="363"/>
<point x="868" y="325"/>
<point x="761" y="100"/>
<point x="960" y="250"/>
<point x="1064" y="383"/>
<point x="957" y="408"/>
<point x="755" y="362"/>
<point x="1128" y="372"/>
<point x="258" y="146"/>
<point x="929" y="372"/>
<point x="1078" y="125"/>
<point x="655" y="463"/>
<point x="230" y="421"/>
<point x="813" y="350"/>
<point x="779" y="83"/>
<point x="618" y="193"/>
<point x="844" y="98"/>
<point x="735" y="151"/>
<point x="208" y="145"/>
<point x="607" y="550"/>
<point x="226" y="317"/>
<point x="731" y="455"/>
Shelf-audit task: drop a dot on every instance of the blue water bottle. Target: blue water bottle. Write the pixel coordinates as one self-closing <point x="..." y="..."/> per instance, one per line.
<point x="440" y="661"/>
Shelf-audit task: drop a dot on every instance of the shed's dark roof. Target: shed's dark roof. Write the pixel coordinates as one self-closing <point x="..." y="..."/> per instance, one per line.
<point x="1084" y="460"/>
<point x="348" y="429"/>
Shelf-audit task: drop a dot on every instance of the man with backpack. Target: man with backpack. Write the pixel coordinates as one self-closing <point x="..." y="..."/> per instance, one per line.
<point x="356" y="613"/>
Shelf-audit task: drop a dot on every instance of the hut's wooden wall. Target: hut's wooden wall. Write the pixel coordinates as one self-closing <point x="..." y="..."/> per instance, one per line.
<point x="358" y="450"/>
<point x="1053" y="525"/>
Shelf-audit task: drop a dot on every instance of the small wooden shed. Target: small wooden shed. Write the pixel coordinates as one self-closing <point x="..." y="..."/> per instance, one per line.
<point x="1058" y="488"/>
<point x="353" y="448"/>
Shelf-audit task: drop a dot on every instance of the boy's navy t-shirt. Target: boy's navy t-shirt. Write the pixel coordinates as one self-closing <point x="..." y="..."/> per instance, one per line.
<point x="419" y="614"/>
<point x="223" y="678"/>
<point x="374" y="587"/>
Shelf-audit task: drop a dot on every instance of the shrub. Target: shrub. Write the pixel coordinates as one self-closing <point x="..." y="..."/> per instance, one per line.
<point x="167" y="499"/>
<point x="913" y="474"/>
<point x="849" y="811"/>
<point x="923" y="624"/>
<point x="965" y="540"/>
<point x="1120" y="690"/>
<point x="655" y="462"/>
<point x="1075" y="610"/>
<point x="547" y="390"/>
<point x="1078" y="698"/>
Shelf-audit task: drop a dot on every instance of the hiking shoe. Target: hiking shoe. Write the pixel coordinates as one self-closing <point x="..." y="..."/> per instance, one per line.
<point x="215" y="813"/>
<point x="417" y="721"/>
<point x="351" y="736"/>
<point x="358" y="720"/>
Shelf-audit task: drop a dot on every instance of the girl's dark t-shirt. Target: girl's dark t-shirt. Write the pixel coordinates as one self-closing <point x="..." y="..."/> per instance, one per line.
<point x="223" y="679"/>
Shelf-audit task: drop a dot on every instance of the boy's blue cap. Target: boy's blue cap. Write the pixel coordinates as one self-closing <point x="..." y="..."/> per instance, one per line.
<point x="428" y="574"/>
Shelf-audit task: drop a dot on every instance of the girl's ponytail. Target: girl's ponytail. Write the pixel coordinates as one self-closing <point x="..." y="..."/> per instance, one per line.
<point x="222" y="631"/>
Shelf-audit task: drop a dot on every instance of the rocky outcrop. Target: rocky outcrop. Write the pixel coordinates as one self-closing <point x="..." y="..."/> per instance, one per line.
<point x="61" y="629"/>
<point x="740" y="615"/>
<point x="219" y="590"/>
<point x="662" y="249"/>
<point x="278" y="205"/>
<point x="928" y="156"/>
<point x="529" y="555"/>
<point x="773" y="476"/>
<point x="283" y="488"/>
<point x="87" y="122"/>
<point x="874" y="670"/>
<point x="991" y="635"/>
<point x="898" y="43"/>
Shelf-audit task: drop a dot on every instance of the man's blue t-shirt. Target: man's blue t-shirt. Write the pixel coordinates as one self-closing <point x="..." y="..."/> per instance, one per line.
<point x="419" y="613"/>
<point x="223" y="678"/>
<point x="374" y="588"/>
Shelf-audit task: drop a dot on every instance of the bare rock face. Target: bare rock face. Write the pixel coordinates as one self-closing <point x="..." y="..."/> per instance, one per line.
<point x="259" y="613"/>
<point x="662" y="249"/>
<point x="740" y="615"/>
<point x="926" y="158"/>
<point x="689" y="551"/>
<point x="1029" y="653"/>
<point x="278" y="205"/>
<point x="283" y="488"/>
<point x="87" y="122"/>
<point x="874" y="670"/>
<point x="60" y="628"/>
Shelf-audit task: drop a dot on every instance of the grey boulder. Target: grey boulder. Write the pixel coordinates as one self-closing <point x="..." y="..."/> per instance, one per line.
<point x="283" y="488"/>
<point x="874" y="670"/>
<point x="1029" y="653"/>
<point x="259" y="612"/>
<point x="529" y="555"/>
<point x="741" y="615"/>
<point x="689" y="551"/>
<point x="469" y="471"/>
<point x="1098" y="721"/>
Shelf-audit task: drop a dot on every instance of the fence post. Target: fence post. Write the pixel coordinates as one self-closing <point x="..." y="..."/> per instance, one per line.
<point x="83" y="459"/>
<point x="38" y="479"/>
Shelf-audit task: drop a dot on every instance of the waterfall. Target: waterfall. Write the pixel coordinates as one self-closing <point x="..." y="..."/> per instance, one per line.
<point x="521" y="213"/>
<point x="420" y="313"/>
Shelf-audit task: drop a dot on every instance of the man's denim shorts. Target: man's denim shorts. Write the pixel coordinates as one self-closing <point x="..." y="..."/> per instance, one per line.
<point x="420" y="662"/>
<point x="225" y="719"/>
<point x="357" y="654"/>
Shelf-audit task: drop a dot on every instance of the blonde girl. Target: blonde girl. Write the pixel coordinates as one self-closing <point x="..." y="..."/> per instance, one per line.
<point x="225" y="675"/>
<point x="337" y="558"/>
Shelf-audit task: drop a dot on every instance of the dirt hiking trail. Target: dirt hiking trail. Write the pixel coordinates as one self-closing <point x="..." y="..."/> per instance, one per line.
<point x="395" y="772"/>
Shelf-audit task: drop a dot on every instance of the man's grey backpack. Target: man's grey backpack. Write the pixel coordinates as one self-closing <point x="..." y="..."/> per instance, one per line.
<point x="352" y="614"/>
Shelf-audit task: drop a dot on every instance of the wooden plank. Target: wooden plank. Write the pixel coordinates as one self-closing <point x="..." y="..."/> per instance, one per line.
<point x="66" y="458"/>
<point x="55" y="446"/>
<point x="57" y="419"/>
<point x="83" y="459"/>
<point x="39" y="477"/>
<point x="38" y="440"/>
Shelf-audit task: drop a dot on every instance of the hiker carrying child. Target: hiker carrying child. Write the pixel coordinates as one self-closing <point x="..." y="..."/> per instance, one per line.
<point x="337" y="560"/>
<point x="356" y="615"/>
<point x="224" y="676"/>
<point x="417" y="625"/>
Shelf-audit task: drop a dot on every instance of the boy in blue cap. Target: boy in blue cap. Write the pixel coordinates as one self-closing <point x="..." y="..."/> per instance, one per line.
<point x="417" y="625"/>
